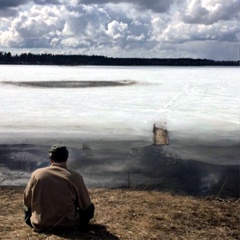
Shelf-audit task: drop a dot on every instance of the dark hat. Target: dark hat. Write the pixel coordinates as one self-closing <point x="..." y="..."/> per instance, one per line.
<point x="58" y="148"/>
<point x="58" y="151"/>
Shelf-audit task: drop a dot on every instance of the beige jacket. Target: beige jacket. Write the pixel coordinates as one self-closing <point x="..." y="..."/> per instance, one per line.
<point x="52" y="194"/>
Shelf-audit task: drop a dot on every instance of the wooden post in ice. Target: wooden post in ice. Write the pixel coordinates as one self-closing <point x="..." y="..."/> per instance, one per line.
<point x="160" y="135"/>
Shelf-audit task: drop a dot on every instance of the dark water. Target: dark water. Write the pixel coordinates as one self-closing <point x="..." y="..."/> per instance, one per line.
<point x="114" y="164"/>
<point x="70" y="84"/>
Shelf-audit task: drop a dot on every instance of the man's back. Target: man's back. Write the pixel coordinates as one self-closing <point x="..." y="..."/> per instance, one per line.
<point x="54" y="193"/>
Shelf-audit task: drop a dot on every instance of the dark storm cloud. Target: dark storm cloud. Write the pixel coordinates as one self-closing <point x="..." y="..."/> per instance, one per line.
<point x="156" y="6"/>
<point x="11" y="3"/>
<point x="46" y="2"/>
<point x="8" y="12"/>
<point x="8" y="8"/>
<point x="4" y="4"/>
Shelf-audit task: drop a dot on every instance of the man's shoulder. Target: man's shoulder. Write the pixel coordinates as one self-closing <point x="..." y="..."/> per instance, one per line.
<point x="75" y="174"/>
<point x="50" y="171"/>
<point x="40" y="171"/>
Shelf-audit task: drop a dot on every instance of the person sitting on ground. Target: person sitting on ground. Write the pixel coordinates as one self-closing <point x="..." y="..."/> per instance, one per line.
<point x="56" y="197"/>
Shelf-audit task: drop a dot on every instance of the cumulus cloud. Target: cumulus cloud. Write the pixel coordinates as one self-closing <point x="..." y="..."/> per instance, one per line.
<point x="33" y="29"/>
<point x="116" y="29"/>
<point x="210" y="11"/>
<point x="180" y="32"/>
<point x="122" y="28"/>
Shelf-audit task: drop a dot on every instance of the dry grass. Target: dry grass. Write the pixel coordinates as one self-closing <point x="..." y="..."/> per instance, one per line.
<point x="132" y="214"/>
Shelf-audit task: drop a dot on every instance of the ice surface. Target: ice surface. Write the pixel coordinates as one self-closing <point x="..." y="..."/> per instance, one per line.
<point x="200" y="103"/>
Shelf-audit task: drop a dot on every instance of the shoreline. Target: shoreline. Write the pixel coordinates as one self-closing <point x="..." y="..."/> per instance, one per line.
<point x="122" y="164"/>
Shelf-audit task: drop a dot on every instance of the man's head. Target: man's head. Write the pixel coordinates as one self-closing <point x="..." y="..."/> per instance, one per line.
<point x="58" y="153"/>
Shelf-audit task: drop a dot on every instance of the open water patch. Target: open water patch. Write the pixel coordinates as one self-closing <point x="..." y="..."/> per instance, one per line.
<point x="146" y="167"/>
<point x="70" y="84"/>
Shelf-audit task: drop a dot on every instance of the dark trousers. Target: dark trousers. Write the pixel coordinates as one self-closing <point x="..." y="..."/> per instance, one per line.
<point x="28" y="214"/>
<point x="84" y="215"/>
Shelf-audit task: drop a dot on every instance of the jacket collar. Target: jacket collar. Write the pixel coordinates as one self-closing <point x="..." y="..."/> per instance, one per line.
<point x="61" y="165"/>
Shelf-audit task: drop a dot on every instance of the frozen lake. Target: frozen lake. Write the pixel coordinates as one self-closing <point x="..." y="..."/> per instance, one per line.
<point x="198" y="105"/>
<point x="202" y="102"/>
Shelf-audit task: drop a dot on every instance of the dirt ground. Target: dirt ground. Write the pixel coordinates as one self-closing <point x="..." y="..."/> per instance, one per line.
<point x="132" y="214"/>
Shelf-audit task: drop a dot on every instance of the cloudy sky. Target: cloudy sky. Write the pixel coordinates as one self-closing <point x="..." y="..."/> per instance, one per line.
<point x="122" y="28"/>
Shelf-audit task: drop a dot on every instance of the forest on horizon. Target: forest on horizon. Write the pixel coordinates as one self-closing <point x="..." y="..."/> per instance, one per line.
<point x="74" y="60"/>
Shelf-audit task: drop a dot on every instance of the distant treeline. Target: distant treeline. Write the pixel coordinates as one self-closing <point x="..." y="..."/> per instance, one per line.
<point x="57" y="59"/>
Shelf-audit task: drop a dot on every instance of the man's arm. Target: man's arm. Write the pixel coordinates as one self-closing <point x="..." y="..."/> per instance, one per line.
<point x="27" y="199"/>
<point x="86" y="207"/>
<point x="27" y="195"/>
<point x="84" y="200"/>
